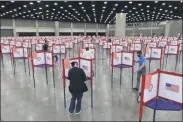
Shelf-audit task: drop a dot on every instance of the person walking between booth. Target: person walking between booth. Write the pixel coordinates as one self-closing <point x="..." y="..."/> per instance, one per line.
<point x="142" y="68"/>
<point x="45" y="48"/>
<point x="87" y="54"/>
<point x="77" y="87"/>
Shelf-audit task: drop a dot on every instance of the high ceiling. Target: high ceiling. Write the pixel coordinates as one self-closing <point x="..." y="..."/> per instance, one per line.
<point x="92" y="11"/>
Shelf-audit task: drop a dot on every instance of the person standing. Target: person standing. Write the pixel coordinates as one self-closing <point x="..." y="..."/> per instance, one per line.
<point x="77" y="87"/>
<point x="45" y="46"/>
<point x="87" y="54"/>
<point x="142" y="68"/>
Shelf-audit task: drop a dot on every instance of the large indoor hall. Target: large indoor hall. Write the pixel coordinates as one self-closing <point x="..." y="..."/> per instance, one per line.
<point x="91" y="60"/>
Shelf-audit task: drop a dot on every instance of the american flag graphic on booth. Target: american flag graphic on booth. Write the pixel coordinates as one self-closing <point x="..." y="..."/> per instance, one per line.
<point x="172" y="87"/>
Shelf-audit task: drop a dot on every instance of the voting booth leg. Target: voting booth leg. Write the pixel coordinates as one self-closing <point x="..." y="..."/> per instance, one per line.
<point x="14" y="67"/>
<point x="24" y="65"/>
<point x="29" y="66"/>
<point x="132" y="80"/>
<point x="154" y="115"/>
<point x="91" y="97"/>
<point x="166" y="60"/>
<point x="95" y="69"/>
<point x="34" y="80"/>
<point x="54" y="79"/>
<point x="149" y="65"/>
<point x="112" y="80"/>
<point x="120" y="75"/>
<point x="2" y="61"/>
<point x="64" y="99"/>
<point x="176" y="62"/>
<point x="46" y="74"/>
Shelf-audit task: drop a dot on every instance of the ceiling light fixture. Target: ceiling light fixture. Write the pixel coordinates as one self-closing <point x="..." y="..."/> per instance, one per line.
<point x="130" y="2"/>
<point x="80" y="3"/>
<point x="25" y="6"/>
<point x="38" y="1"/>
<point x="31" y="3"/>
<point x="55" y="4"/>
<point x="105" y="2"/>
<point x="2" y="6"/>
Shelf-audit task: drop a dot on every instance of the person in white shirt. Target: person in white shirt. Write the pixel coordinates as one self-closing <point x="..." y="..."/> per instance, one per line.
<point x="87" y="54"/>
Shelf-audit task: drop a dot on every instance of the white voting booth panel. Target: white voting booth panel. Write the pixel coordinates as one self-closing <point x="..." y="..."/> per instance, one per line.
<point x="174" y="43"/>
<point x="117" y="58"/>
<point x="170" y="87"/>
<point x="26" y="45"/>
<point x="124" y="43"/>
<point x="86" y="66"/>
<point x="88" y="45"/>
<point x="20" y="53"/>
<point x="33" y="41"/>
<point x="69" y="45"/>
<point x="49" y="58"/>
<point x="107" y="45"/>
<point x="151" y="87"/>
<point x="18" y="44"/>
<point x="153" y="53"/>
<point x="40" y="60"/>
<point x="6" y="42"/>
<point x="136" y="47"/>
<point x="39" y="47"/>
<point x="116" y="48"/>
<point x="127" y="58"/>
<point x="152" y="44"/>
<point x="171" y="49"/>
<point x="57" y="49"/>
<point x="162" y="44"/>
<point x="12" y="43"/>
<point x="116" y="42"/>
<point x="5" y="49"/>
<point x="92" y="50"/>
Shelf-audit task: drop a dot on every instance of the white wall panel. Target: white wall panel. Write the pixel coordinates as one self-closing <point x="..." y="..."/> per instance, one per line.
<point x="65" y="30"/>
<point x="65" y="25"/>
<point x="6" y="22"/>
<point x="78" y="25"/>
<point x="25" y="29"/>
<point x="89" y="25"/>
<point x="42" y="23"/>
<point x="78" y="30"/>
<point x="25" y="23"/>
<point x="101" y="26"/>
<point x="46" y="29"/>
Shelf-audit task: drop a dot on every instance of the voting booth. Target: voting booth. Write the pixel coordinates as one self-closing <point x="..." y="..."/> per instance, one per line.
<point x="116" y="48"/>
<point x="92" y="50"/>
<point x="89" y="45"/>
<point x="161" y="90"/>
<point x="59" y="49"/>
<point x="86" y="65"/>
<point x="39" y="47"/>
<point x="171" y="50"/>
<point x="20" y="53"/>
<point x="107" y="45"/>
<point x="162" y="44"/>
<point x="45" y="60"/>
<point x="122" y="60"/>
<point x="151" y="44"/>
<point x="135" y="47"/>
<point x="153" y="54"/>
<point x="5" y="50"/>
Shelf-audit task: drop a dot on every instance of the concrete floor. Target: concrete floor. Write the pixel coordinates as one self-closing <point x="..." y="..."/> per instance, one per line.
<point x="21" y="102"/>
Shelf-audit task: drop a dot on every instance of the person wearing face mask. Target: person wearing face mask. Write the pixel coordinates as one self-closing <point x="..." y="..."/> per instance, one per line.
<point x="142" y="68"/>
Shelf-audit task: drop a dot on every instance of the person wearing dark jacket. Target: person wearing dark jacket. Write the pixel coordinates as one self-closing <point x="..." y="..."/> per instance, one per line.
<point x="45" y="46"/>
<point x="77" y="87"/>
